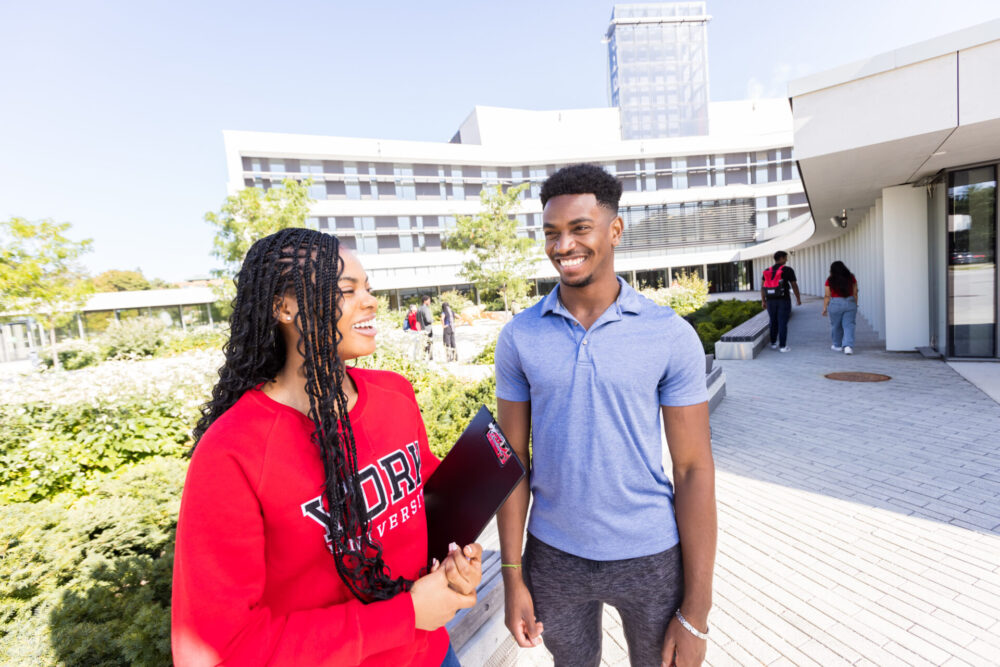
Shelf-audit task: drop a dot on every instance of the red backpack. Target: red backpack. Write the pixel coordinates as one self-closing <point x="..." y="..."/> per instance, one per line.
<point x="775" y="286"/>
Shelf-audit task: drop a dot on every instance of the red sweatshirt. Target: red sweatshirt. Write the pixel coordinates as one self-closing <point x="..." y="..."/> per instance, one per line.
<point x="254" y="580"/>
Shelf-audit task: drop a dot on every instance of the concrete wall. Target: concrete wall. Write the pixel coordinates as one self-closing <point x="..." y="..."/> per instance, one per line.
<point x="904" y="224"/>
<point x="937" y="234"/>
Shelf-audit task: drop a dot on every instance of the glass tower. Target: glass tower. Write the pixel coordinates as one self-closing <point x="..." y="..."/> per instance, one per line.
<point x="658" y="68"/>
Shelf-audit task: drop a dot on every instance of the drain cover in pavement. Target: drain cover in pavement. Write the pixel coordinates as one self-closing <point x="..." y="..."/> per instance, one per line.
<point x="858" y="377"/>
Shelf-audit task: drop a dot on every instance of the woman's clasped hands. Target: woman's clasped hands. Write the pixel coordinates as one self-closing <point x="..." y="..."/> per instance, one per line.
<point x="448" y="587"/>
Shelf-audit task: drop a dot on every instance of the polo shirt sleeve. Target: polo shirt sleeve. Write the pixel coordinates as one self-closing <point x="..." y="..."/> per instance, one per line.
<point x="512" y="384"/>
<point x="683" y="381"/>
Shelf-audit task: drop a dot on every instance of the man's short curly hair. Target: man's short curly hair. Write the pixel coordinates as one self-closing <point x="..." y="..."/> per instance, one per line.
<point x="581" y="179"/>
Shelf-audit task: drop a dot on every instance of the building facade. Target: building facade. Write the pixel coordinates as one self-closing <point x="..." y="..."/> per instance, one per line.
<point x="908" y="144"/>
<point x="695" y="204"/>
<point x="658" y="69"/>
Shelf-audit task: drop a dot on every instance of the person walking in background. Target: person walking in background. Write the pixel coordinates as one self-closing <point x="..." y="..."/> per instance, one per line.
<point x="840" y="299"/>
<point x="775" y="296"/>
<point x="448" y="335"/>
<point x="426" y="320"/>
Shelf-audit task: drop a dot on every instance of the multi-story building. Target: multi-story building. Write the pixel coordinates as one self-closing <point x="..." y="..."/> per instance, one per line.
<point x="698" y="204"/>
<point x="658" y="69"/>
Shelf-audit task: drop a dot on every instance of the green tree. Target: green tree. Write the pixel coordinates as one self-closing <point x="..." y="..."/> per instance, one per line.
<point x="501" y="260"/>
<point x="120" y="281"/>
<point x="252" y="214"/>
<point x="39" y="274"/>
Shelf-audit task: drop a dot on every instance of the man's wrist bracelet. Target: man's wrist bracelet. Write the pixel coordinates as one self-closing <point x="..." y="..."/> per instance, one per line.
<point x="690" y="628"/>
<point x="510" y="565"/>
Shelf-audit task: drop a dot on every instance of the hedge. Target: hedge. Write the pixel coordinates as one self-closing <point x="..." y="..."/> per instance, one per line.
<point x="715" y="318"/>
<point x="86" y="581"/>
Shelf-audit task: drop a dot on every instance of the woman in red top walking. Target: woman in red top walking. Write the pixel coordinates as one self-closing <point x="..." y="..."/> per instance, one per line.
<point x="302" y="538"/>
<point x="840" y="299"/>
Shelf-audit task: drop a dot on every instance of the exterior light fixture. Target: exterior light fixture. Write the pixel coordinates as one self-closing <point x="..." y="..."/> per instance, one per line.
<point x="840" y="221"/>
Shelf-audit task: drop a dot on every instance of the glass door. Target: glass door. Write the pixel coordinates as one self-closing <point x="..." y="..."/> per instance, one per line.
<point x="972" y="272"/>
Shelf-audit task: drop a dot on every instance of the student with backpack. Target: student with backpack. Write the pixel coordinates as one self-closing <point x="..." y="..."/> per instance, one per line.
<point x="775" y="296"/>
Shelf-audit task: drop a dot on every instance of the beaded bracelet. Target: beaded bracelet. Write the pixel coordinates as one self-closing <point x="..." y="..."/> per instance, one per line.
<point x="690" y="628"/>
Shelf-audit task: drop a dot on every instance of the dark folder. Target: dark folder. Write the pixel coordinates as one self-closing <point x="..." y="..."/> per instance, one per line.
<point x="469" y="485"/>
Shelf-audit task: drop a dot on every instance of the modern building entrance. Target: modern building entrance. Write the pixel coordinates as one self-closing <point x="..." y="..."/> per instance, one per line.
<point x="972" y="269"/>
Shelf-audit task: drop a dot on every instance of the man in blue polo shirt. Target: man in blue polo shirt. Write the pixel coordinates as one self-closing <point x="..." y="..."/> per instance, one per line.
<point x="587" y="372"/>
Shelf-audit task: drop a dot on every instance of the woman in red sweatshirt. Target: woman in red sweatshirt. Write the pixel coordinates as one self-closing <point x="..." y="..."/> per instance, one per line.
<point x="302" y="538"/>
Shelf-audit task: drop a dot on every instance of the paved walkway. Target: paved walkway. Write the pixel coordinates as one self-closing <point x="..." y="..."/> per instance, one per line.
<point x="859" y="523"/>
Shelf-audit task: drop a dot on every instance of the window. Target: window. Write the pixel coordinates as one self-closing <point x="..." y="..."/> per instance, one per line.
<point x="405" y="243"/>
<point x="311" y="167"/>
<point x="680" y="179"/>
<point x="353" y="189"/>
<point x="277" y="166"/>
<point x="317" y="190"/>
<point x="972" y="245"/>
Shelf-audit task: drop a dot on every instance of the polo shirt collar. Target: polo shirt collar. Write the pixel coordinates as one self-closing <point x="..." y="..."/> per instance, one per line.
<point x="628" y="301"/>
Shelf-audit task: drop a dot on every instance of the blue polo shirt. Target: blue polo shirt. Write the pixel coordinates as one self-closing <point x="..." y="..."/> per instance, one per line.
<point x="597" y="479"/>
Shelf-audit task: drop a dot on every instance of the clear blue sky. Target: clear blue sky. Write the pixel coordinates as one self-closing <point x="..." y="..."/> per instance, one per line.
<point x="112" y="112"/>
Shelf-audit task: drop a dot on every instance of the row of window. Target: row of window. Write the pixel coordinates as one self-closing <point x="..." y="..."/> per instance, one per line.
<point x="652" y="181"/>
<point x="636" y="175"/>
<point x="682" y="223"/>
<point x="390" y="172"/>
<point x="418" y="223"/>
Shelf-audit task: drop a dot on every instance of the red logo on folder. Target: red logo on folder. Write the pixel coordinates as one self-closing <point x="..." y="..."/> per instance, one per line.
<point x="500" y="447"/>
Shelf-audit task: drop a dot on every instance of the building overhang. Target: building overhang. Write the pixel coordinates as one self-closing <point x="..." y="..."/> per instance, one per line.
<point x="899" y="117"/>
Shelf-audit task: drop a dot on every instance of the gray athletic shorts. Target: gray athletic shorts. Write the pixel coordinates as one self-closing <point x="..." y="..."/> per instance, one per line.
<point x="570" y="592"/>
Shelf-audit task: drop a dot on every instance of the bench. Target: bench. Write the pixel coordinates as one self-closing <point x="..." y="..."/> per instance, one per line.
<point x="746" y="340"/>
<point x="715" y="381"/>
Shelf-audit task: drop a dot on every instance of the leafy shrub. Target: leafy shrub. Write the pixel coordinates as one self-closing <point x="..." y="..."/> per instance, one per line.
<point x="388" y="318"/>
<point x="486" y="357"/>
<point x="47" y="449"/>
<point x="713" y="320"/>
<point x="687" y="294"/>
<point x="133" y="339"/>
<point x="448" y="405"/>
<point x="176" y="341"/>
<point x="456" y="300"/>
<point x="86" y="581"/>
<point x="528" y="301"/>
<point x="75" y="354"/>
